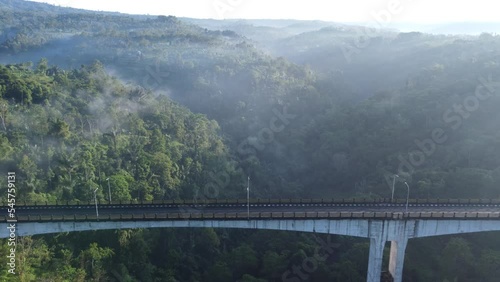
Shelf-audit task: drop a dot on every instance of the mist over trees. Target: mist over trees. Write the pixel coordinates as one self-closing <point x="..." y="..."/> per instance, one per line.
<point x="170" y="108"/>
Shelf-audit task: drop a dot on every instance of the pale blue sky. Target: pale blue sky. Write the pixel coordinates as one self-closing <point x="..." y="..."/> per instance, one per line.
<point x="382" y="11"/>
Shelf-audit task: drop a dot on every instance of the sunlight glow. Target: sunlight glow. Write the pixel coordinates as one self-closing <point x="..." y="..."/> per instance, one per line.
<point x="422" y="11"/>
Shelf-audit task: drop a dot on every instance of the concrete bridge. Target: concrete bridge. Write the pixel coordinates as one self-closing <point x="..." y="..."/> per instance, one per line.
<point x="379" y="220"/>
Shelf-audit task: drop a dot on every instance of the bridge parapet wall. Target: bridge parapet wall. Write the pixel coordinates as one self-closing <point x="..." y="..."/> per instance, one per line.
<point x="262" y="215"/>
<point x="264" y="201"/>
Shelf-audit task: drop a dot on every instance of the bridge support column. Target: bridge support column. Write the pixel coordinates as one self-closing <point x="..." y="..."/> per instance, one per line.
<point x="397" y="258"/>
<point x="375" y="259"/>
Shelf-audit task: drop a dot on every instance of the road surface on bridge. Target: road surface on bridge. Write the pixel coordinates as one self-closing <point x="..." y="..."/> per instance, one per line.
<point x="127" y="209"/>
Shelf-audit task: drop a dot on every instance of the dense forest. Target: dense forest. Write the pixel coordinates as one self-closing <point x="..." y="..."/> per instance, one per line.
<point x="169" y="108"/>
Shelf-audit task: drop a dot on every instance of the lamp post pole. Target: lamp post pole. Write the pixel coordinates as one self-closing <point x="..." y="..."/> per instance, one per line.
<point x="393" y="185"/>
<point x="109" y="190"/>
<point x="248" y="198"/>
<point x="407" y="196"/>
<point x="95" y="201"/>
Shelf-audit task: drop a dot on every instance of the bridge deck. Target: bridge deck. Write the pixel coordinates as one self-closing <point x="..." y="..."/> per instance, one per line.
<point x="266" y="209"/>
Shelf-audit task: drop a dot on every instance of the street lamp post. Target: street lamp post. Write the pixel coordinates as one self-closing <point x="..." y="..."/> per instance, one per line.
<point x="109" y="190"/>
<point x="248" y="198"/>
<point x="95" y="201"/>
<point x="407" y="196"/>
<point x="393" y="184"/>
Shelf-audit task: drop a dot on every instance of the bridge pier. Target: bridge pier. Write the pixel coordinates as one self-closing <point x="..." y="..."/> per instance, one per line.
<point x="375" y="258"/>
<point x="397" y="258"/>
<point x="398" y="232"/>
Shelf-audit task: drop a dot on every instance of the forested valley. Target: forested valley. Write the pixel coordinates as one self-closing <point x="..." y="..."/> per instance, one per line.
<point x="160" y="107"/>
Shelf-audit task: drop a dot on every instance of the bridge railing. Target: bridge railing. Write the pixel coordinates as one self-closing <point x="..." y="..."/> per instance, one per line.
<point x="258" y="216"/>
<point x="262" y="201"/>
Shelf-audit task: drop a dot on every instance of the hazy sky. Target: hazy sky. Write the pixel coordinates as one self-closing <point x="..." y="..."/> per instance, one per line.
<point x="383" y="11"/>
